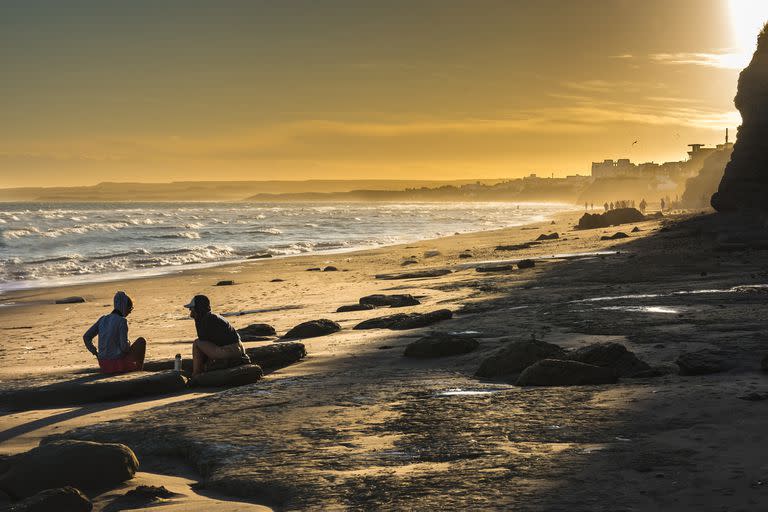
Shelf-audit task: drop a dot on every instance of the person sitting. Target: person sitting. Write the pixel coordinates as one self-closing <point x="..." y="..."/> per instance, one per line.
<point x="116" y="354"/>
<point x="218" y="344"/>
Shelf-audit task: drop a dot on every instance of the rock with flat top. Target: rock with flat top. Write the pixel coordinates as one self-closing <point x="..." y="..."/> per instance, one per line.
<point x="616" y="236"/>
<point x="312" y="329"/>
<point x="256" y="332"/>
<point x="551" y="236"/>
<point x="393" y="301"/>
<point x="229" y="377"/>
<point x="523" y="264"/>
<point x="506" y="267"/>
<point x="382" y="322"/>
<point x="440" y="345"/>
<point x="81" y="464"/>
<point x="702" y="362"/>
<point x="226" y="282"/>
<point x="70" y="300"/>
<point x="610" y="218"/>
<point x="355" y="307"/>
<point x="422" y="319"/>
<point x="610" y="355"/>
<point x="557" y="372"/>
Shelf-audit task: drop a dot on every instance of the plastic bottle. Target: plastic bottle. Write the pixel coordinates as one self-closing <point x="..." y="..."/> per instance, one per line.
<point x="177" y="363"/>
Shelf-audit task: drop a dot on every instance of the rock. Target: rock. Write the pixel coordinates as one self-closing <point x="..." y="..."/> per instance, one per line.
<point x="312" y="329"/>
<point x="256" y="332"/>
<point x="496" y="268"/>
<point x="616" y="236"/>
<point x="523" y="264"/>
<point x="744" y="186"/>
<point x="98" y="388"/>
<point x="330" y="268"/>
<point x="516" y="247"/>
<point x="230" y="377"/>
<point x="610" y="218"/>
<point x="422" y="319"/>
<point x="279" y="355"/>
<point x="517" y="356"/>
<point x="60" y="499"/>
<point x="610" y="355"/>
<point x="551" y="236"/>
<point x="355" y="307"/>
<point x="414" y="275"/>
<point x="754" y="397"/>
<point x="142" y="497"/>
<point x="465" y="255"/>
<point x="228" y="282"/>
<point x="636" y="229"/>
<point x="277" y="280"/>
<point x="431" y="254"/>
<point x="314" y="269"/>
<point x="558" y="372"/>
<point x="382" y="322"/>
<point x="764" y="363"/>
<point x="405" y="263"/>
<point x="259" y="256"/>
<point x="394" y="301"/>
<point x="70" y="300"/>
<point x="440" y="345"/>
<point x="80" y="464"/>
<point x="403" y="321"/>
<point x="702" y="362"/>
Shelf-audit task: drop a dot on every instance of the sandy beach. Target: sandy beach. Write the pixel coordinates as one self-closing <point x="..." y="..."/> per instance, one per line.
<point x="355" y="425"/>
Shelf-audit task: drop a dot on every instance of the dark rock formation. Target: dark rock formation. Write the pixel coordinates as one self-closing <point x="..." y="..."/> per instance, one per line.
<point x="277" y="280"/>
<point x="314" y="269"/>
<point x="355" y="307"/>
<point x="414" y="275"/>
<point x="394" y="301"/>
<point x="269" y="357"/>
<point x="80" y="464"/>
<point x="523" y="264"/>
<point x="496" y="268"/>
<point x="699" y="189"/>
<point x="230" y="377"/>
<point x="330" y="268"/>
<point x="516" y="247"/>
<point x="440" y="345"/>
<point x="256" y="332"/>
<point x="517" y="356"/>
<point x="227" y="282"/>
<point x="556" y="372"/>
<point x="405" y="263"/>
<point x="551" y="236"/>
<point x="403" y="321"/>
<point x="702" y="362"/>
<point x="259" y="256"/>
<point x="142" y="497"/>
<point x="312" y="329"/>
<point x="97" y="388"/>
<point x="616" y="236"/>
<point x="744" y="186"/>
<point x="70" y="300"/>
<point x="465" y="255"/>
<point x="610" y="218"/>
<point x="636" y="229"/>
<point x="60" y="499"/>
<point x="610" y="355"/>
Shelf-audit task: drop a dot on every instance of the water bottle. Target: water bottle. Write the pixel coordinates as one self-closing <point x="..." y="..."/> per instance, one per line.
<point x="177" y="363"/>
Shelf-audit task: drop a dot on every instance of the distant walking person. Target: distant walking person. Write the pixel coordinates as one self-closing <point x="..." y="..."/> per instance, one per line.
<point x="115" y="353"/>
<point x="662" y="204"/>
<point x="643" y="205"/>
<point x="585" y="206"/>
<point x="218" y="343"/>
<point x="610" y="205"/>
<point x="605" y="206"/>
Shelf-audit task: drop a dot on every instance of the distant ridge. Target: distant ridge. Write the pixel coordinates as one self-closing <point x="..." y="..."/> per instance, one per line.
<point x="213" y="190"/>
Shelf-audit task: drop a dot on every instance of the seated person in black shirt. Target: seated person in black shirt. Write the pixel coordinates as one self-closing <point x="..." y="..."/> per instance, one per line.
<point x="218" y="344"/>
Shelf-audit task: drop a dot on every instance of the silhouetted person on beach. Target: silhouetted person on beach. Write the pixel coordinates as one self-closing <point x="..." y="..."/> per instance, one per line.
<point x="610" y="205"/>
<point x="115" y="353"/>
<point x="643" y="205"/>
<point x="605" y="206"/>
<point x="662" y="204"/>
<point x="218" y="344"/>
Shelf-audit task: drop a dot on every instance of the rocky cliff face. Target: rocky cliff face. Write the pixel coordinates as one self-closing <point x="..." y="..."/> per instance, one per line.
<point x="744" y="186"/>
<point x="699" y="189"/>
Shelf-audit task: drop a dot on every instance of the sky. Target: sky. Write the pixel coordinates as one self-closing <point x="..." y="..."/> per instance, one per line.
<point x="162" y="90"/>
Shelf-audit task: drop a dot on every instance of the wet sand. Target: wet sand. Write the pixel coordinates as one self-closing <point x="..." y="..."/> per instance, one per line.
<point x="358" y="426"/>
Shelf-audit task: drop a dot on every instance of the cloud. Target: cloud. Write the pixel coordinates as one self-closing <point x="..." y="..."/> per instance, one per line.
<point x="720" y="60"/>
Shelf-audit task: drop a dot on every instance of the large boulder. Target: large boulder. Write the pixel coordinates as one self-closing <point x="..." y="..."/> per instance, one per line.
<point x="744" y="186"/>
<point x="403" y="321"/>
<point x="61" y="499"/>
<point x="610" y="355"/>
<point x="517" y="356"/>
<point x="394" y="301"/>
<point x="229" y="377"/>
<point x="80" y="464"/>
<point x="702" y="362"/>
<point x="558" y="372"/>
<point x="610" y="218"/>
<point x="440" y="345"/>
<point x="312" y="329"/>
<point x="256" y="332"/>
<point x="98" y="388"/>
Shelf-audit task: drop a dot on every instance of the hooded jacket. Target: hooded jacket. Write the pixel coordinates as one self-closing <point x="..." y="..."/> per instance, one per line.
<point x="112" y="330"/>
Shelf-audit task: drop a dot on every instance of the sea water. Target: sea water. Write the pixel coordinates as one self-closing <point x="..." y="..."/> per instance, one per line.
<point x="52" y="244"/>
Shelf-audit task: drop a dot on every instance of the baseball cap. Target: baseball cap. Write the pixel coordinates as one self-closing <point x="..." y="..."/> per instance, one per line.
<point x="199" y="302"/>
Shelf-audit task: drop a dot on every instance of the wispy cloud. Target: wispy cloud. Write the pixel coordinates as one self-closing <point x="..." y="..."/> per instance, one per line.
<point x="721" y="60"/>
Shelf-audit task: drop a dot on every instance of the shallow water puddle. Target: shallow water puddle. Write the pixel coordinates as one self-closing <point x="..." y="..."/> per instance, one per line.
<point x="468" y="392"/>
<point x="664" y="310"/>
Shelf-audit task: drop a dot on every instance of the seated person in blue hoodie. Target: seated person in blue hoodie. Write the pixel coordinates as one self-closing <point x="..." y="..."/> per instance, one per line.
<point x="218" y="344"/>
<point x="116" y="354"/>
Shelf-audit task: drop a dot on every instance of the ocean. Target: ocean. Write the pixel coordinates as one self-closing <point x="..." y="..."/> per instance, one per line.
<point x="53" y="244"/>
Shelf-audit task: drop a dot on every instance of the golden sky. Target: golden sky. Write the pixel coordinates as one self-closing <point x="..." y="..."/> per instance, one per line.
<point x="287" y="89"/>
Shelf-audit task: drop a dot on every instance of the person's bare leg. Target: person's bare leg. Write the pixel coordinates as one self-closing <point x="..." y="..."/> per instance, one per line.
<point x="198" y="359"/>
<point x="136" y="353"/>
<point x="216" y="352"/>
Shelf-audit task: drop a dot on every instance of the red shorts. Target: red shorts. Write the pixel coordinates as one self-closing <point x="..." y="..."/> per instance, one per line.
<point x="132" y="361"/>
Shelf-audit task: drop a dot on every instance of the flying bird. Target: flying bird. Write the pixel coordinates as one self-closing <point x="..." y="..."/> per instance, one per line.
<point x="634" y="143"/>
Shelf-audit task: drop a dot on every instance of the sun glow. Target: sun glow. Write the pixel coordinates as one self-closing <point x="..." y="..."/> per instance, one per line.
<point x="747" y="19"/>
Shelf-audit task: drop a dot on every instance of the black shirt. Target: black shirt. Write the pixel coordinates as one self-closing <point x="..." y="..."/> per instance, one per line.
<point x="211" y="327"/>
